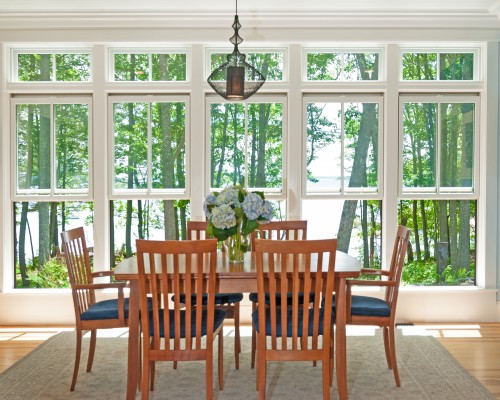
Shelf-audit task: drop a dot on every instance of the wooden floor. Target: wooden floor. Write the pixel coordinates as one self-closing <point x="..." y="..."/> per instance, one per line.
<point x="475" y="346"/>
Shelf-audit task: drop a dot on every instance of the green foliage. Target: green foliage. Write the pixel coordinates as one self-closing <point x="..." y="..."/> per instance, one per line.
<point x="53" y="274"/>
<point x="424" y="273"/>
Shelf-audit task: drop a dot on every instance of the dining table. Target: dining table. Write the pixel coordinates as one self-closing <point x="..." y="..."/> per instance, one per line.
<point x="239" y="277"/>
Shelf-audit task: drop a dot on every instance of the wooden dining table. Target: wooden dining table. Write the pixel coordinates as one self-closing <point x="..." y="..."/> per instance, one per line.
<point x="239" y="277"/>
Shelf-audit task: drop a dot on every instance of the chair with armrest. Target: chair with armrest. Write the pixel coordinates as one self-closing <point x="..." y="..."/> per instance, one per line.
<point x="89" y="313"/>
<point x="174" y="332"/>
<point x="293" y="332"/>
<point x="366" y="310"/>
<point x="276" y="230"/>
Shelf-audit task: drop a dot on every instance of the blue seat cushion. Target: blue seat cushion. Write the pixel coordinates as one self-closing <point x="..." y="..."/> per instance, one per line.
<point x="106" y="309"/>
<point x="367" y="306"/>
<point x="220" y="298"/>
<point x="219" y="316"/>
<point x="254" y="298"/>
<point x="256" y="322"/>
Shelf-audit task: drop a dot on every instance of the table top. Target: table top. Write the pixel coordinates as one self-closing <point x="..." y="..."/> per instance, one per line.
<point x="345" y="266"/>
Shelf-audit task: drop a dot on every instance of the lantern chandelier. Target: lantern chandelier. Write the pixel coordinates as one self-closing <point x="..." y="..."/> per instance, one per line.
<point x="236" y="79"/>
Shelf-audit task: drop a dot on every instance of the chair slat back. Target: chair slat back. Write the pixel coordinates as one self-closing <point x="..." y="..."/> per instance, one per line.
<point x="281" y="230"/>
<point x="77" y="260"/>
<point x="397" y="262"/>
<point x="289" y="267"/>
<point x="197" y="230"/>
<point x="177" y="267"/>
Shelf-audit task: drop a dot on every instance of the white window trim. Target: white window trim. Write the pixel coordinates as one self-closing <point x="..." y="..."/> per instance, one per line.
<point x="372" y="193"/>
<point x="273" y="194"/>
<point x="149" y="192"/>
<point x="52" y="194"/>
<point x="443" y="192"/>
<point x="112" y="51"/>
<point x="344" y="50"/>
<point x="16" y="51"/>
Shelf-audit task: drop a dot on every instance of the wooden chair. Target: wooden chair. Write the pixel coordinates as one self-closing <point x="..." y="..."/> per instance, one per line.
<point x="366" y="310"/>
<point x="230" y="302"/>
<point x="90" y="314"/>
<point x="276" y="230"/>
<point x="174" y="333"/>
<point x="294" y="330"/>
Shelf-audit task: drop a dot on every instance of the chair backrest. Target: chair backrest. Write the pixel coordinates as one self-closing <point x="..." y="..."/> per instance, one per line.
<point x="397" y="262"/>
<point x="177" y="267"/>
<point x="77" y="259"/>
<point x="197" y="230"/>
<point x="281" y="230"/>
<point x="300" y="259"/>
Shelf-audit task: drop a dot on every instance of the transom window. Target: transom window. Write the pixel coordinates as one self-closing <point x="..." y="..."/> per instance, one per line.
<point x="148" y="66"/>
<point x="270" y="63"/>
<point x="341" y="65"/>
<point x="446" y="65"/>
<point x="51" y="66"/>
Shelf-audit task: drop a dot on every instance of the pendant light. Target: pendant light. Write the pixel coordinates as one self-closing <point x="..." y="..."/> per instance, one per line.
<point x="236" y="79"/>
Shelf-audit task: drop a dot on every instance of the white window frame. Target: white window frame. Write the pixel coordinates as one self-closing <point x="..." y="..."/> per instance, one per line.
<point x="15" y="52"/>
<point x="344" y="50"/>
<point x="345" y="192"/>
<point x="251" y="50"/>
<point x="53" y="193"/>
<point x="437" y="192"/>
<point x="270" y="193"/>
<point x="149" y="51"/>
<point x="166" y="194"/>
<point x="476" y="51"/>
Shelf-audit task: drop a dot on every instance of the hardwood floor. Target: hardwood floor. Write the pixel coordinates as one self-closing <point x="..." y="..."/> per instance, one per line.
<point x="475" y="346"/>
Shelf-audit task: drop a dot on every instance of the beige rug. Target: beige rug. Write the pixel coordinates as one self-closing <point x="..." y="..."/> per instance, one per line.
<point x="427" y="371"/>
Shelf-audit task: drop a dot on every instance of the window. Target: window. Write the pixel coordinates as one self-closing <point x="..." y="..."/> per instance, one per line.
<point x="149" y="145"/>
<point x="342" y="145"/>
<point x="52" y="145"/>
<point x="340" y="65"/>
<point x="454" y="65"/>
<point x="52" y="148"/>
<point x="269" y="63"/>
<point x="247" y="144"/>
<point x="52" y="66"/>
<point x="439" y="146"/>
<point x="149" y="66"/>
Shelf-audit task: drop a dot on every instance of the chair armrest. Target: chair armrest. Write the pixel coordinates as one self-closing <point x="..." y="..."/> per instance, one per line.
<point x="360" y="282"/>
<point x="373" y="271"/>
<point x="99" y="274"/>
<point x="116" y="285"/>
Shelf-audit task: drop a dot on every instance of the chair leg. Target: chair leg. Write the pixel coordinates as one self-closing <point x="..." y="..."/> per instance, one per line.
<point x="146" y="375"/>
<point x="392" y="345"/>
<point x="93" y="338"/>
<point x="254" y="339"/>
<point x="221" y="360"/>
<point x="325" y="364"/>
<point x="237" y="339"/>
<point x="209" y="372"/>
<point x="261" y="369"/>
<point x="331" y="359"/>
<point x="77" y="358"/>
<point x="385" y="331"/>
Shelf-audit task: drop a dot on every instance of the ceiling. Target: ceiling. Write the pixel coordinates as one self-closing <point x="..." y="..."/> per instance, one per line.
<point x="479" y="14"/>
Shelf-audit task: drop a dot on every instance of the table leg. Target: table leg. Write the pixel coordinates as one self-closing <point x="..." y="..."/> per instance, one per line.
<point x="133" y="341"/>
<point x="340" y="333"/>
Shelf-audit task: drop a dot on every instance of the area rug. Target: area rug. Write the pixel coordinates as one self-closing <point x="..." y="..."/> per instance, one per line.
<point x="427" y="371"/>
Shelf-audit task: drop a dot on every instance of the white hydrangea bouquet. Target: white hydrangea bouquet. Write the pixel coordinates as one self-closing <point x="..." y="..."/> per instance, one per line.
<point x="233" y="214"/>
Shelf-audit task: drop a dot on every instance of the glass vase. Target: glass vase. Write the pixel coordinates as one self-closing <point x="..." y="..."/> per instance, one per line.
<point x="236" y="246"/>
